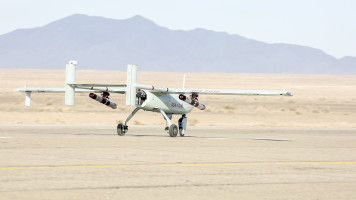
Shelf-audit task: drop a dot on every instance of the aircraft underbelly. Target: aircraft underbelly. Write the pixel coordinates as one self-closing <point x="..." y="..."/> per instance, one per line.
<point x="169" y="103"/>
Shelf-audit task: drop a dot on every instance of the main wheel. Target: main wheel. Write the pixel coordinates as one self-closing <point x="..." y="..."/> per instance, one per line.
<point x="121" y="130"/>
<point x="173" y="130"/>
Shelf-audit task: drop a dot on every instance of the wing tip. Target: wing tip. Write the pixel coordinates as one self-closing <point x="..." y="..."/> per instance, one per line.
<point x="289" y="94"/>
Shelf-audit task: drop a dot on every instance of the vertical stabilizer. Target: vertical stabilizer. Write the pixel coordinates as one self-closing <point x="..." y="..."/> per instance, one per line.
<point x="131" y="85"/>
<point x="70" y="79"/>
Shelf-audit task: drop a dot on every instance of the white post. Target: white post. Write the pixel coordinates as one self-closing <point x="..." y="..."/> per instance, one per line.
<point x="28" y="99"/>
<point x="70" y="79"/>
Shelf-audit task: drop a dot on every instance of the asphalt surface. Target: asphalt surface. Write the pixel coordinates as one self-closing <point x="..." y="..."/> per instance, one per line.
<point x="93" y="162"/>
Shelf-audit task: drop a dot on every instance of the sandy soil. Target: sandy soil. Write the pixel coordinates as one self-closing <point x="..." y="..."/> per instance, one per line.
<point x="318" y="101"/>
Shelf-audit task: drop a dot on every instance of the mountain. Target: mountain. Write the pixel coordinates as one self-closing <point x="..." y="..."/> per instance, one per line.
<point x="101" y="43"/>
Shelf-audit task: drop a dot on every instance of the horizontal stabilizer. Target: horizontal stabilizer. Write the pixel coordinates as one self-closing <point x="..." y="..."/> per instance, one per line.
<point x="61" y="90"/>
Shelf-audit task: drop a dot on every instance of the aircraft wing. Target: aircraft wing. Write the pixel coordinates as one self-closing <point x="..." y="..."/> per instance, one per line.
<point x="114" y="88"/>
<point x="97" y="85"/>
<point x="214" y="91"/>
<point x="233" y="92"/>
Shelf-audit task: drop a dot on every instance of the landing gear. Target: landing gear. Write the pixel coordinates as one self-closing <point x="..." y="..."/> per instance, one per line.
<point x="181" y="133"/>
<point x="173" y="130"/>
<point x="121" y="129"/>
<point x="182" y="125"/>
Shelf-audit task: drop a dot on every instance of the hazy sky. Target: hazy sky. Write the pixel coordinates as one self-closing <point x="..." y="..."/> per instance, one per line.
<point x="329" y="25"/>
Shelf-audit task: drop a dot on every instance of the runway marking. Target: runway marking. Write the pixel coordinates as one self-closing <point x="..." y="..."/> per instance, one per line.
<point x="173" y="165"/>
<point x="232" y="138"/>
<point x="212" y="138"/>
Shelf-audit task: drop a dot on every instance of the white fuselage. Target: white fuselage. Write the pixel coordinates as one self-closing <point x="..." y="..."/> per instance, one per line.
<point x="169" y="103"/>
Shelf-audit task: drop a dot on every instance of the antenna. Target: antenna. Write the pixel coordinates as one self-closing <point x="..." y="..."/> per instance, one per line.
<point x="183" y="81"/>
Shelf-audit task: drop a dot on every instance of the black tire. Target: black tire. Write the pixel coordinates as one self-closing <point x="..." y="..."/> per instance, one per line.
<point x="173" y="130"/>
<point x="120" y="130"/>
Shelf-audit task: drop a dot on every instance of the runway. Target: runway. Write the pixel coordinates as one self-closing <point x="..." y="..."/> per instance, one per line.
<point x="93" y="162"/>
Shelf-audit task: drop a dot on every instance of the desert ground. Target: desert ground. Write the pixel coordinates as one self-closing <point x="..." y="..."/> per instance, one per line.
<point x="240" y="147"/>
